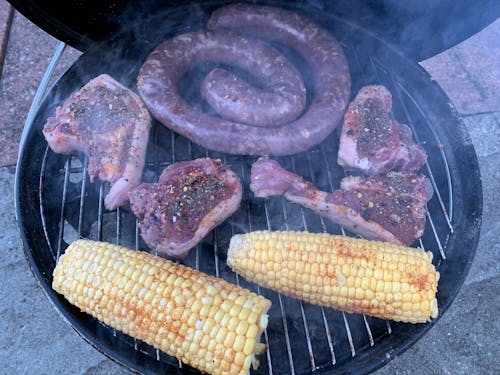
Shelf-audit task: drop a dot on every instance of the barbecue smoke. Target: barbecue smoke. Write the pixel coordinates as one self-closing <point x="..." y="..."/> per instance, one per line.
<point x="123" y="55"/>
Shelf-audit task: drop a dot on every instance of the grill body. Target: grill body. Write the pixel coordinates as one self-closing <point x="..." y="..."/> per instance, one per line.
<point x="412" y="26"/>
<point x="56" y="203"/>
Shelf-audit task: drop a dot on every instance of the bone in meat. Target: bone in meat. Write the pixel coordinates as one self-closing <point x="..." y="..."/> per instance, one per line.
<point x="189" y="200"/>
<point x="372" y="141"/>
<point x="388" y="208"/>
<point x="111" y="125"/>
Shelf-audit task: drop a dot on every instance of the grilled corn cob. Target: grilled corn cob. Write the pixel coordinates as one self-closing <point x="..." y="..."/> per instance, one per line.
<point x="375" y="278"/>
<point x="204" y="321"/>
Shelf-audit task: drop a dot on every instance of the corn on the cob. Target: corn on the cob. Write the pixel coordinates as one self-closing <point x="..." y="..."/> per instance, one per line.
<point x="354" y="275"/>
<point x="204" y="321"/>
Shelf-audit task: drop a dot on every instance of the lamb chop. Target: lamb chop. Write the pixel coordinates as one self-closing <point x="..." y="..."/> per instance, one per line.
<point x="388" y="208"/>
<point x="189" y="200"/>
<point x="372" y="140"/>
<point x="111" y="125"/>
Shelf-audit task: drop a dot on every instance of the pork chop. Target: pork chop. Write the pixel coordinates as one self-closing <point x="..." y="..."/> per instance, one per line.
<point x="111" y="125"/>
<point x="189" y="200"/>
<point x="388" y="208"/>
<point x="372" y="141"/>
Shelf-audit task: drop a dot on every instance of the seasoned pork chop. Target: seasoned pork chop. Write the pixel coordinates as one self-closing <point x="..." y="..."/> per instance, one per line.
<point x="389" y="208"/>
<point x="372" y="140"/>
<point x="111" y="125"/>
<point x="189" y="200"/>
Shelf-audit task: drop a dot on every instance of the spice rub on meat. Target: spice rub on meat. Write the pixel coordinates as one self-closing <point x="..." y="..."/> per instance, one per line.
<point x="396" y="202"/>
<point x="372" y="140"/>
<point x="111" y="125"/>
<point x="189" y="200"/>
<point x="390" y="208"/>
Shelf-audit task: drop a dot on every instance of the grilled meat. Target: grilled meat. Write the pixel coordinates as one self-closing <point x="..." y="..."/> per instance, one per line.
<point x="271" y="121"/>
<point x="389" y="208"/>
<point x="111" y="125"/>
<point x="372" y="140"/>
<point x="397" y="202"/>
<point x="189" y="200"/>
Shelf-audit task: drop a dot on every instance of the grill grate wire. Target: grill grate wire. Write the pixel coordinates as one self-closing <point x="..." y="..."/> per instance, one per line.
<point x="329" y="321"/>
<point x="400" y="90"/>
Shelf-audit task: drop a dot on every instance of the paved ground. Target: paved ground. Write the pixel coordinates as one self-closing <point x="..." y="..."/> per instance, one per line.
<point x="35" y="340"/>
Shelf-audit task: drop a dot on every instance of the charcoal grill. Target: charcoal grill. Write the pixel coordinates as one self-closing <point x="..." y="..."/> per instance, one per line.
<point x="56" y="203"/>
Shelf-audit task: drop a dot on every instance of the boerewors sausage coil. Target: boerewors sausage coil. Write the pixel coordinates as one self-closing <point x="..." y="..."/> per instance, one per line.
<point x="274" y="123"/>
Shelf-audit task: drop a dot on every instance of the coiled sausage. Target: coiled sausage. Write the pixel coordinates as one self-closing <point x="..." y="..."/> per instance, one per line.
<point x="235" y="99"/>
<point x="330" y="80"/>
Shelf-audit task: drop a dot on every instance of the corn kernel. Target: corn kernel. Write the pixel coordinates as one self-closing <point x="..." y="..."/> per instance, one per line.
<point x="208" y="325"/>
<point x="388" y="287"/>
<point x="221" y="335"/>
<point x="233" y="323"/>
<point x="205" y="340"/>
<point x="225" y="320"/>
<point x="235" y="309"/>
<point x="240" y="357"/>
<point x="252" y="331"/>
<point x="248" y="362"/>
<point x="406" y="297"/>
<point x="249" y="346"/>
<point x="242" y="327"/>
<point x="415" y="298"/>
<point x="253" y="317"/>
<point x="197" y="337"/>
<point x="229" y="339"/>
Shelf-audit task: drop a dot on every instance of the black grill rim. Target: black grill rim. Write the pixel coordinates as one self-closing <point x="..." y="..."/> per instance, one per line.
<point x="467" y="221"/>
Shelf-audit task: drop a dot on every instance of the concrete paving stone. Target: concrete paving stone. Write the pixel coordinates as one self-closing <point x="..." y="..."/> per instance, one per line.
<point x="484" y="132"/>
<point x="28" y="53"/>
<point x="496" y="115"/>
<point x="106" y="367"/>
<point x="34" y="339"/>
<point x="469" y="73"/>
<point x="487" y="260"/>
<point x="447" y="71"/>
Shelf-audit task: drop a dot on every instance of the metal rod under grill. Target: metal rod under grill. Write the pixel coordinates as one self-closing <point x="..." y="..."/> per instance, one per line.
<point x="283" y="315"/>
<point x="449" y="216"/>
<point x="82" y="195"/>
<point x="304" y="320"/>
<point x="42" y="210"/>
<point x="306" y="228"/>
<point x="246" y="200"/>
<point x="330" y="182"/>
<point x="67" y="167"/>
